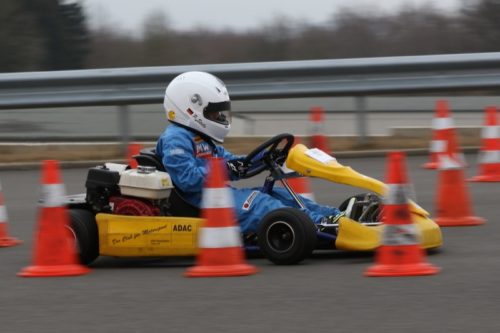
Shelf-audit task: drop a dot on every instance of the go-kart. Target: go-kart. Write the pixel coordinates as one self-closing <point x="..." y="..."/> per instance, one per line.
<point x="139" y="212"/>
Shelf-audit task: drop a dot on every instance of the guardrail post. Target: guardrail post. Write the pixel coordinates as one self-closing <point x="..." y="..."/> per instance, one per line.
<point x="361" y="116"/>
<point x="124" y="126"/>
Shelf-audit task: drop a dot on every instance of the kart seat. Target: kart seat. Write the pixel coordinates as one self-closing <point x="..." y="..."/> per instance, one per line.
<point x="148" y="157"/>
<point x="178" y="205"/>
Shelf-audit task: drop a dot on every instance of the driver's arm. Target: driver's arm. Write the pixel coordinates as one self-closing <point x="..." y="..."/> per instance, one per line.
<point x="230" y="158"/>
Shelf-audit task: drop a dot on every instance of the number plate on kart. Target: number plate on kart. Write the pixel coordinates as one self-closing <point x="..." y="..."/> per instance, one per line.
<point x="320" y="155"/>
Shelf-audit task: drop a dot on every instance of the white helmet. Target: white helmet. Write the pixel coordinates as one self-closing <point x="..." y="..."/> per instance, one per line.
<point x="200" y="101"/>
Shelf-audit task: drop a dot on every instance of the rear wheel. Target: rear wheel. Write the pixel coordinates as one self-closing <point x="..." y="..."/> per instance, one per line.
<point x="84" y="229"/>
<point x="287" y="236"/>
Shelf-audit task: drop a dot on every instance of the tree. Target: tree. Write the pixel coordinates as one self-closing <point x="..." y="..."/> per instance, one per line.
<point x="63" y="27"/>
<point x="22" y="44"/>
<point x="481" y="21"/>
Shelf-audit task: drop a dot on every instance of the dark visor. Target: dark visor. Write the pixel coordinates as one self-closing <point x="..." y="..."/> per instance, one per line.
<point x="218" y="112"/>
<point x="217" y="107"/>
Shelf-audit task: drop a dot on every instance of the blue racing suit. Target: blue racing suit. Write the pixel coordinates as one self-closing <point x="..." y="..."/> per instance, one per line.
<point x="185" y="156"/>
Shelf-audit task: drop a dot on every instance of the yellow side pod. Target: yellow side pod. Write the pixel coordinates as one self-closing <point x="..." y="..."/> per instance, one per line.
<point x="143" y="236"/>
<point x="352" y="235"/>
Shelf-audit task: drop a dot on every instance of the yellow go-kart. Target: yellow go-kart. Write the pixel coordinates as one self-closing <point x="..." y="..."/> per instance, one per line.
<point x="139" y="212"/>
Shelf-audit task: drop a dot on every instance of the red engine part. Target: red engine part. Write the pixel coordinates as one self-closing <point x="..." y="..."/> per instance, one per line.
<point x="133" y="206"/>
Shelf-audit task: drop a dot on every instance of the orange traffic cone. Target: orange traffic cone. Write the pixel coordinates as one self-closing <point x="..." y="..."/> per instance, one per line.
<point x="400" y="253"/>
<point x="133" y="149"/>
<point x="301" y="184"/>
<point x="5" y="239"/>
<point x="318" y="139"/>
<point x="54" y="246"/>
<point x="444" y="130"/>
<point x="453" y="206"/>
<point x="489" y="156"/>
<point x="221" y="251"/>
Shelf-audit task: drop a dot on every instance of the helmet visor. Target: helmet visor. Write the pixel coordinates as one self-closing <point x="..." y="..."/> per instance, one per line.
<point x="218" y="112"/>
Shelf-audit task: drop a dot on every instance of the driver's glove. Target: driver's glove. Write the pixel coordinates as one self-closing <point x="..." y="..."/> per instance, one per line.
<point x="236" y="168"/>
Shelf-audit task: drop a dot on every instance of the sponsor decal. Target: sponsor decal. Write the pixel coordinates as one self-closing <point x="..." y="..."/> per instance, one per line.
<point x="165" y="182"/>
<point x="182" y="227"/>
<point x="176" y="151"/>
<point x="203" y="149"/>
<point x="171" y="115"/>
<point x="199" y="120"/>
<point x="249" y="200"/>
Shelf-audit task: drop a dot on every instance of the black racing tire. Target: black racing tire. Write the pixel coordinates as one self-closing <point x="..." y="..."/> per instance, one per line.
<point x="287" y="236"/>
<point x="84" y="228"/>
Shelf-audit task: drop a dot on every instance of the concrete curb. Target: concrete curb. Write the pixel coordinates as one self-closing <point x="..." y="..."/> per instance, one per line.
<point x="411" y="140"/>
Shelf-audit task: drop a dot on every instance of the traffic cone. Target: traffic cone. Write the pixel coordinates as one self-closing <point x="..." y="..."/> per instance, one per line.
<point x="301" y="184"/>
<point x="400" y="253"/>
<point x="453" y="206"/>
<point x="444" y="130"/>
<point x="219" y="239"/>
<point x="5" y="239"/>
<point x="133" y="149"/>
<point x="318" y="139"/>
<point x="54" y="246"/>
<point x="489" y="156"/>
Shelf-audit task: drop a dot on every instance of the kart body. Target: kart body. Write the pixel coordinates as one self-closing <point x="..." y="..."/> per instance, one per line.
<point x="134" y="220"/>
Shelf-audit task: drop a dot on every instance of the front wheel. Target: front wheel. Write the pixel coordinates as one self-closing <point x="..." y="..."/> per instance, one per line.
<point x="84" y="229"/>
<point x="287" y="236"/>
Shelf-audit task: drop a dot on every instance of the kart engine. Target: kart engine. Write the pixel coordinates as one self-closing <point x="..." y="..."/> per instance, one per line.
<point x="141" y="192"/>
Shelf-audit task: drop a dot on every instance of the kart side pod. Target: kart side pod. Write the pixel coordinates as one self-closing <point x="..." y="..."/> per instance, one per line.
<point x="353" y="235"/>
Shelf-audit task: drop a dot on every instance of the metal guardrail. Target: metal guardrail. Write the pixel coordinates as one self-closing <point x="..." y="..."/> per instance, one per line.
<point x="312" y="78"/>
<point x="465" y="73"/>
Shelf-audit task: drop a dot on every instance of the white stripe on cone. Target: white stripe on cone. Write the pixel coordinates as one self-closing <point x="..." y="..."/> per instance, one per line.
<point x="397" y="194"/>
<point x="309" y="196"/>
<point x="442" y="123"/>
<point x="490" y="132"/>
<point x="401" y="234"/>
<point x="446" y="162"/>
<point x="221" y="237"/>
<point x="3" y="214"/>
<point x="217" y="198"/>
<point x="52" y="195"/>
<point x="489" y="157"/>
<point x="438" y="146"/>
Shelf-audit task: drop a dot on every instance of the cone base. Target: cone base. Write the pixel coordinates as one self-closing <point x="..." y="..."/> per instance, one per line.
<point x="402" y="270"/>
<point x="226" y="270"/>
<point x="485" y="178"/>
<point x="430" y="165"/>
<point x="459" y="222"/>
<point x="9" y="241"/>
<point x="58" y="270"/>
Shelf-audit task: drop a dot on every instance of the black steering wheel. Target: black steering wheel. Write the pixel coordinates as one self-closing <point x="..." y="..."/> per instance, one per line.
<point x="268" y="151"/>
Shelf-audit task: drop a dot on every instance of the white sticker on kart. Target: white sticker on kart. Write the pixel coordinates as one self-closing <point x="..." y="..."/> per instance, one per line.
<point x="320" y="155"/>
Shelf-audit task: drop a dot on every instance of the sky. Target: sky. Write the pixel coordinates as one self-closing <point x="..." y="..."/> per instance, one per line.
<point x="129" y="15"/>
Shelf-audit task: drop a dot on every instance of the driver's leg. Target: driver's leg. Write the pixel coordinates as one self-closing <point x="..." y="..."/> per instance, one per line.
<point x="251" y="206"/>
<point x="313" y="209"/>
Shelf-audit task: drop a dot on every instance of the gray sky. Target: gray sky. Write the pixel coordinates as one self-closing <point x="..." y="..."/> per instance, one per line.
<point x="235" y="14"/>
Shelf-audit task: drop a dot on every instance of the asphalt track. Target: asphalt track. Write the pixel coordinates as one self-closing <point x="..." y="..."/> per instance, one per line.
<point x="327" y="293"/>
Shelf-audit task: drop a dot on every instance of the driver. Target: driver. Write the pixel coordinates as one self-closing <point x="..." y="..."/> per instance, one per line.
<point x="198" y="108"/>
